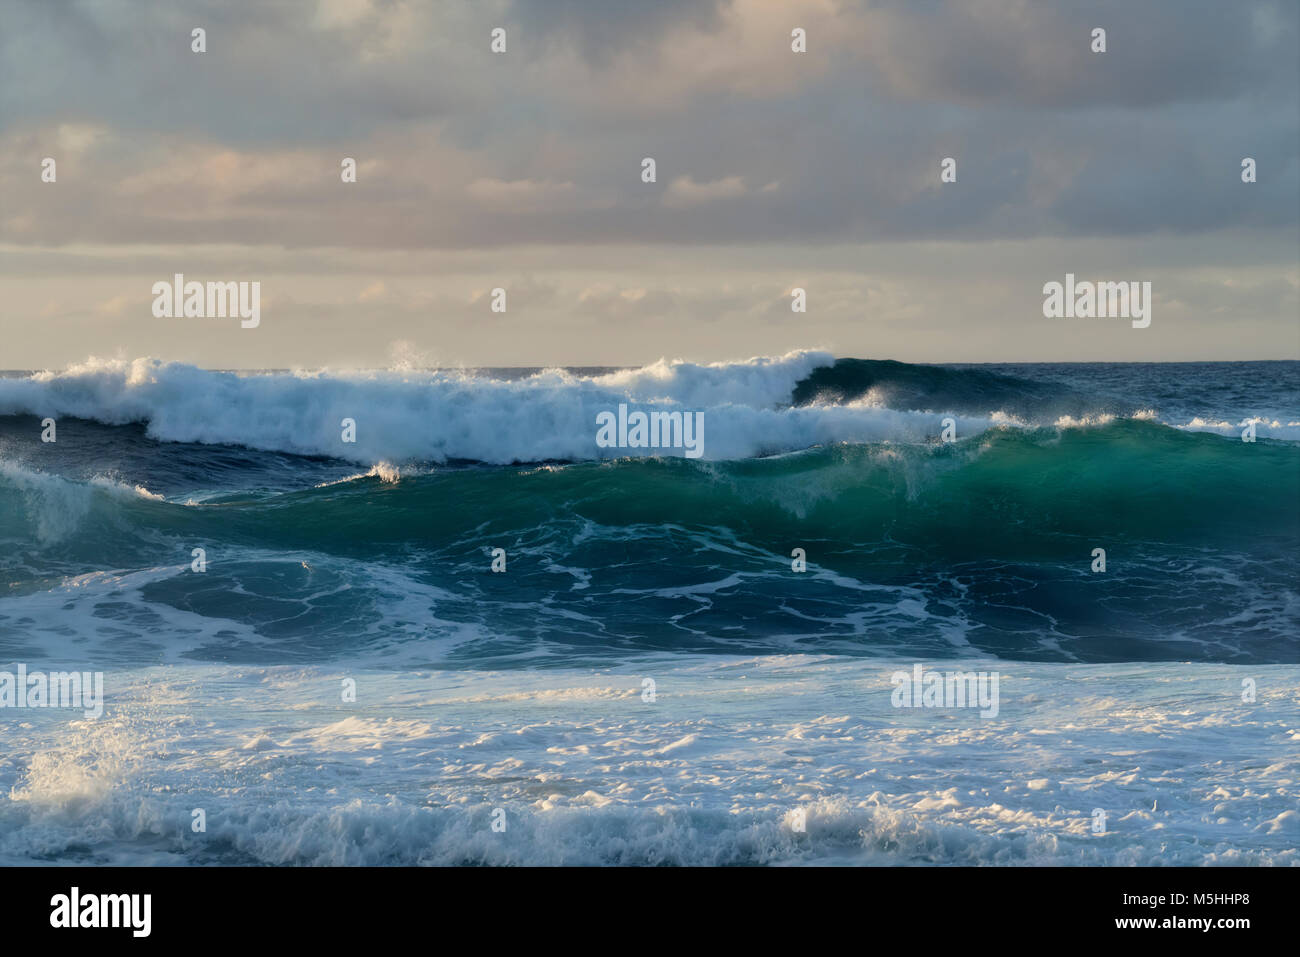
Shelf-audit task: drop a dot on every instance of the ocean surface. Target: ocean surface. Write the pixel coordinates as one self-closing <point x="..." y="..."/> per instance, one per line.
<point x="518" y="698"/>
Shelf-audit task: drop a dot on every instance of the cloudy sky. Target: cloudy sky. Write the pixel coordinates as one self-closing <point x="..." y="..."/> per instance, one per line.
<point x="522" y="170"/>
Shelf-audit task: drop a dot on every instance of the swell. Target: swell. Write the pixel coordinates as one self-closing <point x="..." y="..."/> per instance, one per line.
<point x="901" y="385"/>
<point x="985" y="546"/>
<point x="1027" y="492"/>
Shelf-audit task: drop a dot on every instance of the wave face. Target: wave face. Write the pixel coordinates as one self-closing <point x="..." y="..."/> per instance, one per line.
<point x="914" y="546"/>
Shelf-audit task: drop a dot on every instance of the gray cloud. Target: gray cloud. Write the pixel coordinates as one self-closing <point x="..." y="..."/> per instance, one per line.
<point x="763" y="155"/>
<point x="997" y="52"/>
<point x="851" y="145"/>
<point x="602" y="30"/>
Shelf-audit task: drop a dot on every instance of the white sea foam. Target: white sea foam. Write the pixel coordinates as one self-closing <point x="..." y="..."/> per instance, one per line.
<point x="1265" y="428"/>
<point x="721" y="769"/>
<point x="406" y="415"/>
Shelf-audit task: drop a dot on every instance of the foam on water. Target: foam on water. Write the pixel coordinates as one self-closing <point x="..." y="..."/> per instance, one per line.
<point x="714" y="771"/>
<point x="406" y="415"/>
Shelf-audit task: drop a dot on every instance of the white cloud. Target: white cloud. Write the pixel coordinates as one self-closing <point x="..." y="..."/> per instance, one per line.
<point x="684" y="192"/>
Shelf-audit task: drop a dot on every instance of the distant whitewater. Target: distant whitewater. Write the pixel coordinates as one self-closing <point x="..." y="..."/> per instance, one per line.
<point x="373" y="560"/>
<point x="758" y="407"/>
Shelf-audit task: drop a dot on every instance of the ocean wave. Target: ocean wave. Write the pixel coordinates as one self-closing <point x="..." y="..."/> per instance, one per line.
<point x="1105" y="477"/>
<point x="986" y="544"/>
<point x="761" y="406"/>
